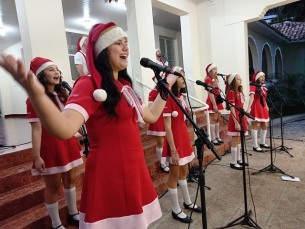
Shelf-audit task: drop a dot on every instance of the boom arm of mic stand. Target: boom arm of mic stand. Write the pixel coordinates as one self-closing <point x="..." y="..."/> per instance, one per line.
<point x="198" y="131"/>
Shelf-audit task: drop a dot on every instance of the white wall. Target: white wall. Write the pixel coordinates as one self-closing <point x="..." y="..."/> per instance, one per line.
<point x="174" y="35"/>
<point x="260" y="42"/>
<point x="223" y="33"/>
<point x="13" y="97"/>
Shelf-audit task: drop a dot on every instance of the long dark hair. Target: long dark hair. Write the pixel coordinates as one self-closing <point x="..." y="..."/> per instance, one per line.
<point x="59" y="89"/>
<point x="232" y="86"/>
<point x="104" y="68"/>
<point x="175" y="88"/>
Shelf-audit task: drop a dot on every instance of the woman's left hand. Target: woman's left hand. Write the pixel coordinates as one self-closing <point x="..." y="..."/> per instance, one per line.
<point x="175" y="159"/>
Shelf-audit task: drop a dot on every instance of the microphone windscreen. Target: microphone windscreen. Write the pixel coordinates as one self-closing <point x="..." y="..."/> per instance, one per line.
<point x="144" y="62"/>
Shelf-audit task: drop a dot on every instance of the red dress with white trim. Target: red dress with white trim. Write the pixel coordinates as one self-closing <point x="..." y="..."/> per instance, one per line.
<point x="117" y="189"/>
<point x="231" y="97"/>
<point x="180" y="133"/>
<point x="259" y="107"/>
<point x="157" y="128"/>
<point x="209" y="80"/>
<point x="59" y="155"/>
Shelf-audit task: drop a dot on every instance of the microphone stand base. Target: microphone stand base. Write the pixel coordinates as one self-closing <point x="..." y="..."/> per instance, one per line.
<point x="243" y="220"/>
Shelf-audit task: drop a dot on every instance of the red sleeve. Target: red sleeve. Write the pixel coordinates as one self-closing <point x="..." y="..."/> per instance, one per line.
<point x="152" y="95"/>
<point x="252" y="89"/>
<point x="231" y="97"/>
<point x="168" y="109"/>
<point x="208" y="80"/>
<point x="81" y="98"/>
<point x="32" y="117"/>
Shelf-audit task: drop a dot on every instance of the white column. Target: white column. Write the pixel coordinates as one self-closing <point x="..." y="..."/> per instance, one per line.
<point x="42" y="31"/>
<point x="141" y="42"/>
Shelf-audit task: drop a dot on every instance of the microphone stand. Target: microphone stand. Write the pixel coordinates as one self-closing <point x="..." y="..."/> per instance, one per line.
<point x="271" y="167"/>
<point x="199" y="143"/>
<point x="282" y="147"/>
<point x="245" y="219"/>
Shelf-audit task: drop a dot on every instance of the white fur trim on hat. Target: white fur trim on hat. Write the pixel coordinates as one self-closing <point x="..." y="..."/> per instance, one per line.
<point x="81" y="42"/>
<point x="100" y="95"/>
<point x="43" y="67"/>
<point x="177" y="68"/>
<point x="156" y="50"/>
<point x="107" y="39"/>
<point x="211" y="67"/>
<point x="231" y="78"/>
<point x="259" y="75"/>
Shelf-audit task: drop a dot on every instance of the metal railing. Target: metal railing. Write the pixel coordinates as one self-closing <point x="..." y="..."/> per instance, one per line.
<point x="204" y="107"/>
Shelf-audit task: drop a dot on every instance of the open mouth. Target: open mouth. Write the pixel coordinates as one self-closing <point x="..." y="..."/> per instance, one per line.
<point x="55" y="78"/>
<point x="123" y="56"/>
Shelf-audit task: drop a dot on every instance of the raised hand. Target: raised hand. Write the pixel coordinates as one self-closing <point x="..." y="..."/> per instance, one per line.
<point x="26" y="79"/>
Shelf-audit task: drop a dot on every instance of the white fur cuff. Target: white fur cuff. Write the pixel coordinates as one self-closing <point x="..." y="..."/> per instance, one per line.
<point x="107" y="39"/>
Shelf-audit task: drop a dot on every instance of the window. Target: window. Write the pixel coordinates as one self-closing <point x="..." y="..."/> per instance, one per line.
<point x="167" y="49"/>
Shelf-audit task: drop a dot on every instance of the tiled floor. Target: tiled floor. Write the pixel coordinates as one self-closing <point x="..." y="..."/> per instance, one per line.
<point x="278" y="204"/>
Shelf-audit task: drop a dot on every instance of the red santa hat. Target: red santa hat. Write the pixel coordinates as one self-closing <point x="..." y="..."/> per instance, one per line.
<point x="80" y="43"/>
<point x="256" y="76"/>
<point x="209" y="68"/>
<point x="230" y="78"/>
<point x="100" y="37"/>
<point x="39" y="64"/>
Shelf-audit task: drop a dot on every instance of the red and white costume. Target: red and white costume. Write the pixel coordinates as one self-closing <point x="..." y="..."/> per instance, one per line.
<point x="59" y="155"/>
<point x="80" y="56"/>
<point x="231" y="97"/>
<point x="157" y="128"/>
<point x="210" y="81"/>
<point x="258" y="111"/>
<point x="117" y="189"/>
<point x="180" y="133"/>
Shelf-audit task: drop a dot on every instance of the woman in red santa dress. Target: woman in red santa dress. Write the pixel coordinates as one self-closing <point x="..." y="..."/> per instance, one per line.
<point x="55" y="159"/>
<point x="177" y="150"/>
<point x="215" y="106"/>
<point x="235" y="95"/>
<point x="259" y="109"/>
<point x="117" y="188"/>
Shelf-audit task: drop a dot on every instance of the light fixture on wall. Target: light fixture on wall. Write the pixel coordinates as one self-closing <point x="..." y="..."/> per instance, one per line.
<point x="87" y="21"/>
<point x="119" y="3"/>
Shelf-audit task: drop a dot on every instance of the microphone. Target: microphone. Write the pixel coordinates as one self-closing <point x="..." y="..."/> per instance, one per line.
<point x="221" y="74"/>
<point x="147" y="63"/>
<point x="66" y="85"/>
<point x="198" y="82"/>
<point x="255" y="84"/>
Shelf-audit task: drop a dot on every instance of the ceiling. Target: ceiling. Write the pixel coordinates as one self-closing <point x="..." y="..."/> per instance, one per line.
<point x="100" y="11"/>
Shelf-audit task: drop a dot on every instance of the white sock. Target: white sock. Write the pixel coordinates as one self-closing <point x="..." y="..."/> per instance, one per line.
<point x="175" y="204"/>
<point x="254" y="138"/>
<point x="212" y="127"/>
<point x="238" y="153"/>
<point x="263" y="136"/>
<point x="159" y="154"/>
<point x="54" y="215"/>
<point x="185" y="192"/>
<point x="217" y="130"/>
<point x="233" y="155"/>
<point x="70" y="196"/>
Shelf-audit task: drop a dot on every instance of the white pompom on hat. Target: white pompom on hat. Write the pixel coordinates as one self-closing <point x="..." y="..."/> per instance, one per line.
<point x="100" y="37"/>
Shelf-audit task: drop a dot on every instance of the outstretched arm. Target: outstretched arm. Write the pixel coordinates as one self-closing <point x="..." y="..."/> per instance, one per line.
<point x="61" y="125"/>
